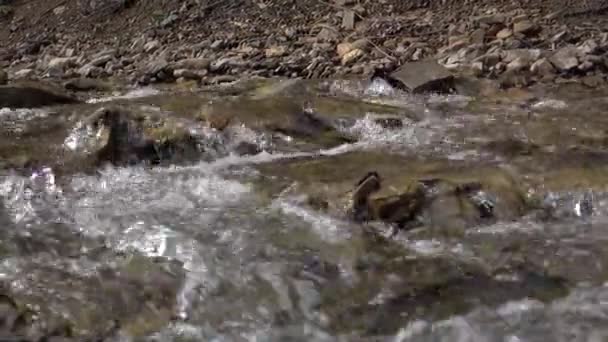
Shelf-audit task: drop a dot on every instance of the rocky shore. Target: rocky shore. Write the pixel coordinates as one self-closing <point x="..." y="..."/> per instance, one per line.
<point x="517" y="43"/>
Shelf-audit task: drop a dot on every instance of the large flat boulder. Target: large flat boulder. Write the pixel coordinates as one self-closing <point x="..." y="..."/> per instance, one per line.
<point x="423" y="76"/>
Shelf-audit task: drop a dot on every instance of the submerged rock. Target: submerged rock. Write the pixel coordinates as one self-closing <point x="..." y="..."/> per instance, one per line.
<point x="407" y="193"/>
<point x="31" y="97"/>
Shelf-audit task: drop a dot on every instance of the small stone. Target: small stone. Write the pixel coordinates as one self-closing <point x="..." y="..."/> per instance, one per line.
<point x="489" y="60"/>
<point x="525" y="54"/>
<point x="275" y="51"/>
<point x="59" y="10"/>
<point x="478" y="36"/>
<point x="101" y="60"/>
<point x="348" y="19"/>
<point x="504" y="33"/>
<point x="3" y="77"/>
<point x="352" y="56"/>
<point x="61" y="63"/>
<point x="344" y="48"/>
<point x="518" y="64"/>
<point x="565" y="59"/>
<point x="327" y="34"/>
<point x="589" y="46"/>
<point x="585" y="66"/>
<point x="151" y="46"/>
<point x="525" y="27"/>
<point x="90" y="71"/>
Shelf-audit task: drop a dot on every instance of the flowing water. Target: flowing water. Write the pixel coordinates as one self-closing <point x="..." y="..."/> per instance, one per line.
<point x="232" y="247"/>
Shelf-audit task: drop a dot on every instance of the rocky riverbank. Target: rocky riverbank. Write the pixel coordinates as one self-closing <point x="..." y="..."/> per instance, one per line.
<point x="517" y="43"/>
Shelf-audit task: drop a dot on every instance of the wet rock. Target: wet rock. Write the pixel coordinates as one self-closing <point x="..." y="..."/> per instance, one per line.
<point x="142" y="137"/>
<point x="423" y="76"/>
<point x="30" y="97"/>
<point x="3" y="77"/>
<point x="565" y="59"/>
<point x="85" y="84"/>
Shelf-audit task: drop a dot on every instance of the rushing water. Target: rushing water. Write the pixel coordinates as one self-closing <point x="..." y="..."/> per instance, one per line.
<point x="261" y="265"/>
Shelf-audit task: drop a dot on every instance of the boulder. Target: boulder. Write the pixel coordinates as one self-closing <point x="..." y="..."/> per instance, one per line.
<point x="141" y="137"/>
<point x="31" y="97"/>
<point x="423" y="76"/>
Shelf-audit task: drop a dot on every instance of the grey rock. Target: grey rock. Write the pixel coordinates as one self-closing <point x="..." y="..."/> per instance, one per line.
<point x="566" y="58"/>
<point x="423" y="76"/>
<point x="152" y="46"/>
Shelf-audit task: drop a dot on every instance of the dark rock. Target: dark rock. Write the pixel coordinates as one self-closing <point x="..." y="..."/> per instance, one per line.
<point x="30" y="97"/>
<point x="245" y="148"/>
<point x="3" y="77"/>
<point x="423" y="76"/>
